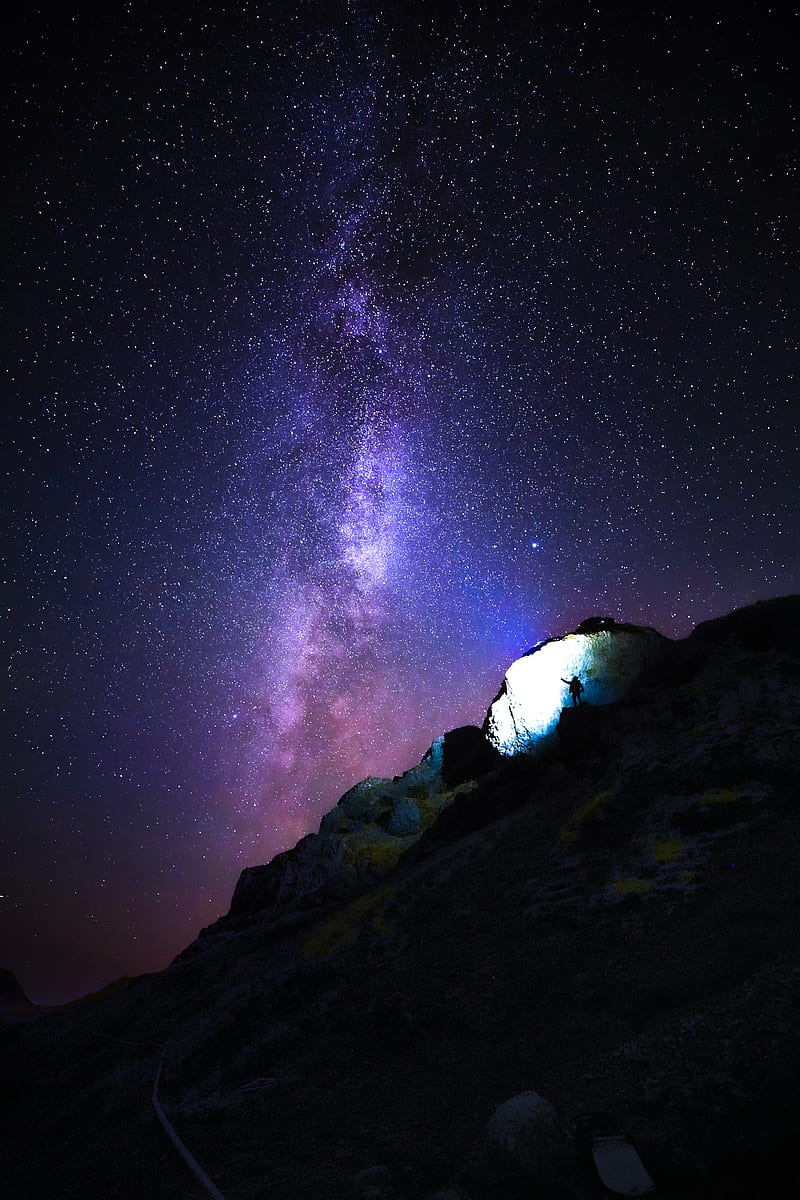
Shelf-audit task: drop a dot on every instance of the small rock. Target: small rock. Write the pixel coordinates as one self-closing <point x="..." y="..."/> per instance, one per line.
<point x="526" y="1143"/>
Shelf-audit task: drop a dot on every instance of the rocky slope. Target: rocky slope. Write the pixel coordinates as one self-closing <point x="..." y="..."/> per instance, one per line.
<point x="417" y="1001"/>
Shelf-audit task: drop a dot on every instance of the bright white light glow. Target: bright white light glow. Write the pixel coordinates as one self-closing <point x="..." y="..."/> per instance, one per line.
<point x="534" y="692"/>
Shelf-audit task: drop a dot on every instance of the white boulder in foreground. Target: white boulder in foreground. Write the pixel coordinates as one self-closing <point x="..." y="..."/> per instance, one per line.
<point x="606" y="657"/>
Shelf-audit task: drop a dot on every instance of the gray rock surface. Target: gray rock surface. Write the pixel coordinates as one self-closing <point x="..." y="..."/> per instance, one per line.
<point x="289" y="876"/>
<point x="404" y="819"/>
<point x="526" y="1143"/>
<point x="606" y="657"/>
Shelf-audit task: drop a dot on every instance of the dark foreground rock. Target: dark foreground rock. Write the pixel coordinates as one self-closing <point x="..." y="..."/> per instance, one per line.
<point x="611" y="926"/>
<point x="13" y="1001"/>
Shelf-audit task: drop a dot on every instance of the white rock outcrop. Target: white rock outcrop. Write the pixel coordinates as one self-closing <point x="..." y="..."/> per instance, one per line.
<point x="606" y="657"/>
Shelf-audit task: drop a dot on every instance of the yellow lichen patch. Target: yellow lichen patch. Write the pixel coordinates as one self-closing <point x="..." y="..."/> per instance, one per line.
<point x="430" y="805"/>
<point x="631" y="887"/>
<point x="667" y="849"/>
<point x="723" y="796"/>
<point x="687" y="877"/>
<point x="343" y="927"/>
<point x="373" y="847"/>
<point x="428" y="809"/>
<point x="586" y="811"/>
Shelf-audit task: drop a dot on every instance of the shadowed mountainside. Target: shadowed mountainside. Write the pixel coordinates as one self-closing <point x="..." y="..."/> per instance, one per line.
<point x="611" y="923"/>
<point x="14" y="1004"/>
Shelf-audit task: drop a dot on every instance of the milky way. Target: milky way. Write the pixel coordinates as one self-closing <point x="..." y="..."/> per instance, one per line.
<point x="354" y="349"/>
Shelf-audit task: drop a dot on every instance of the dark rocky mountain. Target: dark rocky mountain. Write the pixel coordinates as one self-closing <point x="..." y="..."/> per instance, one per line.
<point x="417" y="1002"/>
<point x="13" y="1001"/>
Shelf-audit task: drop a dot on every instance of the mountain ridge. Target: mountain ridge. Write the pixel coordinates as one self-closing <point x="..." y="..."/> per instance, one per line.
<point x="608" y="923"/>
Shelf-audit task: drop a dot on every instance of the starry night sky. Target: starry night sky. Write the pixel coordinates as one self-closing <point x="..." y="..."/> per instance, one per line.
<point x="354" y="348"/>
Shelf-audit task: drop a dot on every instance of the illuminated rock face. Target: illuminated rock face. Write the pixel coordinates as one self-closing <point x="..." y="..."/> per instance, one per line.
<point x="607" y="658"/>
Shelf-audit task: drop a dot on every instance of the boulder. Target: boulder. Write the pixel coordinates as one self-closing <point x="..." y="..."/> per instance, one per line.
<point x="525" y="1143"/>
<point x="289" y="876"/>
<point x="368" y="800"/>
<point x="607" y="658"/>
<point x="466" y="754"/>
<point x="404" y="819"/>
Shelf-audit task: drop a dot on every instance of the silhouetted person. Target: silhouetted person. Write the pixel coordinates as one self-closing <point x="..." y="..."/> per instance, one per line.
<point x="575" y="688"/>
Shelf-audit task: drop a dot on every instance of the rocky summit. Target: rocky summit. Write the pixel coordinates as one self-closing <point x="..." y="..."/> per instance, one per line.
<point x="582" y="908"/>
<point x="605" y="657"/>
